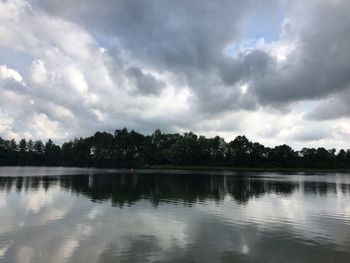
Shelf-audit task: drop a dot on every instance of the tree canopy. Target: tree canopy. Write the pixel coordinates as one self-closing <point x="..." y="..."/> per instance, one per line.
<point x="128" y="149"/>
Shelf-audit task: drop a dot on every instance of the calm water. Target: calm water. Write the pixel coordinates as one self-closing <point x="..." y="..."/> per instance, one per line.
<point x="85" y="215"/>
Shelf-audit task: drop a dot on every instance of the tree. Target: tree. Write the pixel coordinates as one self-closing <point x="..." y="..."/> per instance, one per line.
<point x="283" y="156"/>
<point x="341" y="158"/>
<point x="22" y="151"/>
<point x="127" y="148"/>
<point x="22" y="145"/>
<point x="39" y="147"/>
<point x="102" y="149"/>
<point x="52" y="153"/>
<point x="239" y="151"/>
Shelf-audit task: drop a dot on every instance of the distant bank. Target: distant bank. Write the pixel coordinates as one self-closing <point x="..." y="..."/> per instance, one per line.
<point x="248" y="169"/>
<point x="130" y="149"/>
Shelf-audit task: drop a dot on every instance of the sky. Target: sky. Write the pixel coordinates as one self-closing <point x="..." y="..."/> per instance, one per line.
<point x="275" y="71"/>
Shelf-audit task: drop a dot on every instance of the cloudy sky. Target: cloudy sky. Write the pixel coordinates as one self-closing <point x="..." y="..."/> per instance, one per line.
<point x="276" y="71"/>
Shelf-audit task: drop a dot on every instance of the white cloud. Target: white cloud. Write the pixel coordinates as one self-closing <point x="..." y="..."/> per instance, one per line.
<point x="8" y="73"/>
<point x="39" y="73"/>
<point x="104" y="72"/>
<point x="43" y="127"/>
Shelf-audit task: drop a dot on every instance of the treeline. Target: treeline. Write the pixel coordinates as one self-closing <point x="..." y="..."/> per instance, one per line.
<point x="131" y="149"/>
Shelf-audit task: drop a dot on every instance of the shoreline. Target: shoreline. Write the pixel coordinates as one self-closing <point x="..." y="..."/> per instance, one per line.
<point x="201" y="168"/>
<point x="248" y="169"/>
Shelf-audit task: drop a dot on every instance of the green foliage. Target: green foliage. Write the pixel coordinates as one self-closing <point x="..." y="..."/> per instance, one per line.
<point x="129" y="149"/>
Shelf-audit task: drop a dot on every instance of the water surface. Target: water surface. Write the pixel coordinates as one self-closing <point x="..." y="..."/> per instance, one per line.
<point x="91" y="215"/>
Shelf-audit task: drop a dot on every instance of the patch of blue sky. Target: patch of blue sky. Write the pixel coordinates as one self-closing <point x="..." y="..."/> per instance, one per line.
<point x="267" y="28"/>
<point x="307" y="106"/>
<point x="104" y="40"/>
<point x="235" y="49"/>
<point x="266" y="23"/>
<point x="264" y="26"/>
<point x="16" y="60"/>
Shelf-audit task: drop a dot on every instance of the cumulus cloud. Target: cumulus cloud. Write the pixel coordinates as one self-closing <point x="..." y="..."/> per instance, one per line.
<point x="144" y="83"/>
<point x="206" y="66"/>
<point x="8" y="73"/>
<point x="317" y="66"/>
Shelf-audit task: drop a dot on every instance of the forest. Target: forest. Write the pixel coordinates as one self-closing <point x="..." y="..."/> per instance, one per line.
<point x="130" y="149"/>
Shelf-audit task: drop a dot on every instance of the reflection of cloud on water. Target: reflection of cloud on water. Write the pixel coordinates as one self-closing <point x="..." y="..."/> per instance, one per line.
<point x="144" y="232"/>
<point x="4" y="246"/>
<point x="94" y="213"/>
<point x="36" y="200"/>
<point x="68" y="227"/>
<point x="2" y="200"/>
<point x="49" y="234"/>
<point x="45" y="204"/>
<point x="25" y="254"/>
<point x="245" y="249"/>
<point x="318" y="219"/>
<point x="169" y="231"/>
<point x="54" y="214"/>
<point x="63" y="229"/>
<point x="119" y="231"/>
<point x="65" y="252"/>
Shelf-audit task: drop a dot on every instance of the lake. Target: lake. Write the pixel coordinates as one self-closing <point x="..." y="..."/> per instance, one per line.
<point x="91" y="215"/>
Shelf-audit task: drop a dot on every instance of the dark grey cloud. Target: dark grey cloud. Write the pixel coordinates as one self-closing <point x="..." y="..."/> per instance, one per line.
<point x="175" y="65"/>
<point x="145" y="83"/>
<point x="189" y="37"/>
<point x="247" y="66"/>
<point x="335" y="107"/>
<point x="166" y="34"/>
<point x="319" y="65"/>
<point x="312" y="134"/>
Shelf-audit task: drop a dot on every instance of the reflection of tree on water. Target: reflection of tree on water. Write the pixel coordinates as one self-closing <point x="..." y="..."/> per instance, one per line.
<point x="126" y="189"/>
